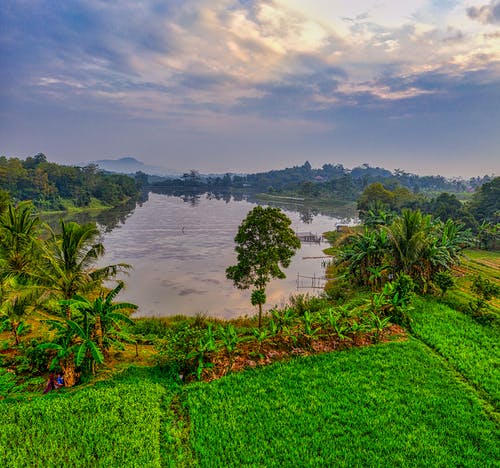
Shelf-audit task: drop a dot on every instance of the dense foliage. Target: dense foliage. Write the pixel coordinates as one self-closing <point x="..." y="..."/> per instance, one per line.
<point x="48" y="184"/>
<point x="378" y="202"/>
<point x="106" y="426"/>
<point x="412" y="244"/>
<point x="45" y="272"/>
<point x="330" y="181"/>
<point x="265" y="243"/>
<point x="390" y="405"/>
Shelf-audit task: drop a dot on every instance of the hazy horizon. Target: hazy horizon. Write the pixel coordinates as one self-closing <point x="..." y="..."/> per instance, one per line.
<point x="254" y="85"/>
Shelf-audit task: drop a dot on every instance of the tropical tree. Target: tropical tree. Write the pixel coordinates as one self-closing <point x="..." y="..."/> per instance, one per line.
<point x="365" y="256"/>
<point x="19" y="244"/>
<point x="17" y="301"/>
<point x="69" y="261"/>
<point x="409" y="235"/>
<point x="103" y="316"/>
<point x="4" y="200"/>
<point x="265" y="244"/>
<point x="378" y="214"/>
<point x="484" y="204"/>
<point x="73" y="348"/>
<point x="19" y="250"/>
<point x="488" y="235"/>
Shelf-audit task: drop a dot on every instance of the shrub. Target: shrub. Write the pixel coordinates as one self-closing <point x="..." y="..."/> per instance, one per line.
<point x="444" y="281"/>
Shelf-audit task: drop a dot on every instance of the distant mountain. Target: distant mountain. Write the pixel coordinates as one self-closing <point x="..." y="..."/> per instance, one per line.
<point x="130" y="165"/>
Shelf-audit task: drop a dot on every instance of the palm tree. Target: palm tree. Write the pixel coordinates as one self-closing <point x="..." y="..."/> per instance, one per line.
<point x="19" y="251"/>
<point x="410" y="238"/>
<point x="365" y="252"/>
<point x="73" y="345"/>
<point x="19" y="244"/>
<point x="102" y="316"/>
<point x="69" y="260"/>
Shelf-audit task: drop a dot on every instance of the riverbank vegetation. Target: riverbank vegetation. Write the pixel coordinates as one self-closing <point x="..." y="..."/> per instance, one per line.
<point x="54" y="187"/>
<point x="332" y="183"/>
<point x="395" y="364"/>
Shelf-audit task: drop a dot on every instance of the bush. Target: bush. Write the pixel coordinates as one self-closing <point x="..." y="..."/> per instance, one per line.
<point x="34" y="359"/>
<point x="304" y="302"/>
<point x="175" y="351"/>
<point x="151" y="327"/>
<point x="338" y="290"/>
<point x="444" y="281"/>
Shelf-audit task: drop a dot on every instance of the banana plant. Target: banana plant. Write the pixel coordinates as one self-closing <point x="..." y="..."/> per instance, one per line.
<point x="206" y="344"/>
<point x="103" y="316"/>
<point x="74" y="348"/>
<point x="230" y="340"/>
<point x="261" y="335"/>
<point x="284" y="319"/>
<point x="341" y="331"/>
<point x="273" y="328"/>
<point x="308" y="329"/>
<point x="378" y="324"/>
<point x="330" y="318"/>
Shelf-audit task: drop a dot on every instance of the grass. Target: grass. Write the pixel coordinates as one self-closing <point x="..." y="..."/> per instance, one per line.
<point x="396" y="404"/>
<point x="389" y="405"/>
<point x="469" y="347"/>
<point x="478" y="262"/>
<point x="110" y="425"/>
<point x="430" y="401"/>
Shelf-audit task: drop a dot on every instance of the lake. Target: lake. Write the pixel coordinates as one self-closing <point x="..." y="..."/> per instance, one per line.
<point x="180" y="247"/>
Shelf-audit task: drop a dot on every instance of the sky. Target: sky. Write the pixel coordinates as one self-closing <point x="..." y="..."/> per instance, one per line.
<point x="254" y="85"/>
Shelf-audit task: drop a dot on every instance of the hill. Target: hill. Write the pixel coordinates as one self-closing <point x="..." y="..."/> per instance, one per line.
<point x="130" y="165"/>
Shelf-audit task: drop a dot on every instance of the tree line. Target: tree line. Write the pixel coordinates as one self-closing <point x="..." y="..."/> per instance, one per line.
<point x="329" y="181"/>
<point x="49" y="184"/>
<point x="481" y="214"/>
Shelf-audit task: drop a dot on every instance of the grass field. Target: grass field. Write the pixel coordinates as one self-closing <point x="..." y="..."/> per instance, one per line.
<point x="394" y="404"/>
<point x="389" y="405"/>
<point x="432" y="400"/>
<point x="112" y="425"/>
<point x="468" y="346"/>
<point x="478" y="262"/>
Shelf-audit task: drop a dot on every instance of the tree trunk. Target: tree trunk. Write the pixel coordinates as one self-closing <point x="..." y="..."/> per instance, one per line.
<point x="15" y="326"/>
<point x="260" y="315"/>
<point x="69" y="373"/>
<point x="99" y="332"/>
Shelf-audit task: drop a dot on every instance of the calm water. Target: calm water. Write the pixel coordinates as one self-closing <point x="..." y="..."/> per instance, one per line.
<point x="180" y="249"/>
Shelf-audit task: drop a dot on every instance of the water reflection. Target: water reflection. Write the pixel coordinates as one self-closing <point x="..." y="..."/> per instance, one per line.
<point x="180" y="247"/>
<point x="106" y="219"/>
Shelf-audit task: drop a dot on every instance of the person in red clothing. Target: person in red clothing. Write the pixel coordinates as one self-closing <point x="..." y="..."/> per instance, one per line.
<point x="51" y="384"/>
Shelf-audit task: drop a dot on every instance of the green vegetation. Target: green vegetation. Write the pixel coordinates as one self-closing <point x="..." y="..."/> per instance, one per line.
<point x="53" y="187"/>
<point x="42" y="274"/>
<point x="426" y="395"/>
<point x="388" y="405"/>
<point x="468" y="346"/>
<point x="113" y="425"/>
<point x="395" y="404"/>
<point x="265" y="244"/>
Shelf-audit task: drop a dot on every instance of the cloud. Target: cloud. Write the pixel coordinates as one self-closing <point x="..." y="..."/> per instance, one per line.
<point x="486" y="13"/>
<point x="218" y="69"/>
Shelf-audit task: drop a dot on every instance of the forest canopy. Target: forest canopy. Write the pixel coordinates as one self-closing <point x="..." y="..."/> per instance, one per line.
<point x="49" y="184"/>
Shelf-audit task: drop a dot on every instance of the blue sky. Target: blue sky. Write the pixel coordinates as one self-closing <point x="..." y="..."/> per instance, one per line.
<point x="248" y="85"/>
